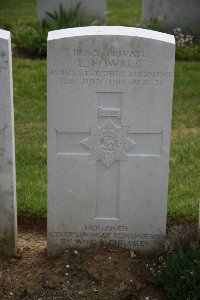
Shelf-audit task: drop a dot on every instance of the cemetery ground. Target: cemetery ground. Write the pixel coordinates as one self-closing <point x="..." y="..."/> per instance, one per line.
<point x="101" y="272"/>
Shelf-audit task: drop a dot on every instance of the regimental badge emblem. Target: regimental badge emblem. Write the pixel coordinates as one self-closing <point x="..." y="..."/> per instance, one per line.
<point x="108" y="143"/>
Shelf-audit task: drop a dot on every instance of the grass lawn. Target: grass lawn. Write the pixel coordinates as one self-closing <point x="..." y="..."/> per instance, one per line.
<point x="30" y="122"/>
<point x="13" y="11"/>
<point x="30" y="130"/>
<point x="184" y="184"/>
<point x="120" y="12"/>
<point x="126" y="12"/>
<point x="30" y="119"/>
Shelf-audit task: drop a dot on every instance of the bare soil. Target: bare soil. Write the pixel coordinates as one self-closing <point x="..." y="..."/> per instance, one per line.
<point x="95" y="273"/>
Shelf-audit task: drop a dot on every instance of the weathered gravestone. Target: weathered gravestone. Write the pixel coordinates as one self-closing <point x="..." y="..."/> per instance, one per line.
<point x="109" y="113"/>
<point x="175" y="13"/>
<point x="7" y="150"/>
<point x="91" y="8"/>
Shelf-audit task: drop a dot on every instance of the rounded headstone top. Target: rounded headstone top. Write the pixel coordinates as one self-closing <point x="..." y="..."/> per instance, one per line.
<point x="112" y="31"/>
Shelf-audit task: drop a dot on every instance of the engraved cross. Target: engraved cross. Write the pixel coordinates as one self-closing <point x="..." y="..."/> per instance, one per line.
<point x="108" y="144"/>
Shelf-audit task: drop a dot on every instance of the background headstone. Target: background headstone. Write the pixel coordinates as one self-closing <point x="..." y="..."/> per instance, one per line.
<point x="109" y="118"/>
<point x="176" y="13"/>
<point x="8" y="224"/>
<point x="95" y="8"/>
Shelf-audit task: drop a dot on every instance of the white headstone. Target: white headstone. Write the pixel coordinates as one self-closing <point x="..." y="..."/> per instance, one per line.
<point x="91" y="8"/>
<point x="109" y="117"/>
<point x="8" y="219"/>
<point x="176" y="13"/>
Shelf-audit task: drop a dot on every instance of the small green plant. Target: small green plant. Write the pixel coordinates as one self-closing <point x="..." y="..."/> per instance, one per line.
<point x="191" y="53"/>
<point x="32" y="39"/>
<point x="65" y="19"/>
<point x="179" y="273"/>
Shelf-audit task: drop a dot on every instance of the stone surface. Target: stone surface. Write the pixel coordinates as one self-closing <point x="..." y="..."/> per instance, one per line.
<point x="8" y="225"/>
<point x="176" y="13"/>
<point x="109" y="117"/>
<point x="91" y="8"/>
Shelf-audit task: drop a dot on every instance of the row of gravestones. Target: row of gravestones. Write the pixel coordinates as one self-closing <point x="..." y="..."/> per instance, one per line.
<point x="109" y="118"/>
<point x="176" y="13"/>
<point x="89" y="7"/>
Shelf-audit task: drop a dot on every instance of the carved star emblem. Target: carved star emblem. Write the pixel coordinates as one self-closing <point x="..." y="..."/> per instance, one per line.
<point x="108" y="143"/>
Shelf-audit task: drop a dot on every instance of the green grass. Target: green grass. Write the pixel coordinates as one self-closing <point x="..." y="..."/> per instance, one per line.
<point x="13" y="11"/>
<point x="185" y="148"/>
<point x="30" y="130"/>
<point x="30" y="119"/>
<point x="126" y="12"/>
<point x="30" y="122"/>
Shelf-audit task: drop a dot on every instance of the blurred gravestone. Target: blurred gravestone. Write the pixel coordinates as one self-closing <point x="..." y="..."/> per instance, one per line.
<point x="109" y="118"/>
<point x="176" y="13"/>
<point x="90" y="8"/>
<point x="8" y="225"/>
